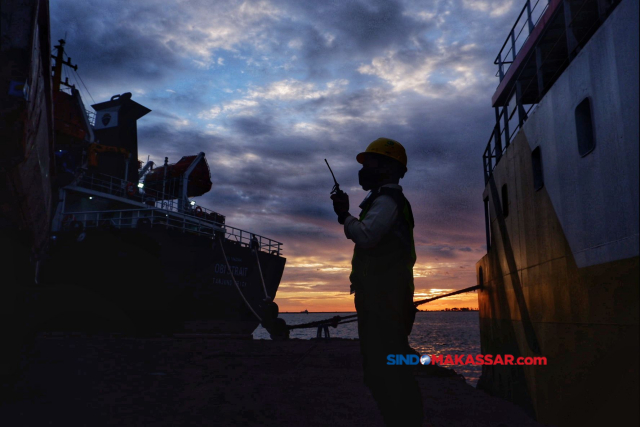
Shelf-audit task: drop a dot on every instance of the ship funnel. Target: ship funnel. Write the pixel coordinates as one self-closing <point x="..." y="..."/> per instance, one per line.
<point x="116" y="125"/>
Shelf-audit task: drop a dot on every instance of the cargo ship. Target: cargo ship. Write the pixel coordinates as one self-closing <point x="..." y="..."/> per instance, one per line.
<point x="560" y="278"/>
<point x="108" y="242"/>
<point x="134" y="234"/>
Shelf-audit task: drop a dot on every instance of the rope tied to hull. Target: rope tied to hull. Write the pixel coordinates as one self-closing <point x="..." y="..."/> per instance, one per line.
<point x="338" y="320"/>
<point x="276" y="327"/>
<point x="332" y="321"/>
<point x="461" y="291"/>
<point x="255" y="247"/>
<point x="236" y="284"/>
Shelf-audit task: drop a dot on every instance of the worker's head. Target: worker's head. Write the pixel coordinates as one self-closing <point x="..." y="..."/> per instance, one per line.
<point x="383" y="162"/>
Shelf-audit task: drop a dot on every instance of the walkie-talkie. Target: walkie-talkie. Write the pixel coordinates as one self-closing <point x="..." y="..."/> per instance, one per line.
<point x="336" y="188"/>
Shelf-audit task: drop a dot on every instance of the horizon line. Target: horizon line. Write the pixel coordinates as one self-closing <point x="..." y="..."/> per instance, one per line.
<point x="422" y="311"/>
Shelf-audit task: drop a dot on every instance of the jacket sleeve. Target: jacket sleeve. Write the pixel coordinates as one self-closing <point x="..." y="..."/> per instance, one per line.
<point x="368" y="232"/>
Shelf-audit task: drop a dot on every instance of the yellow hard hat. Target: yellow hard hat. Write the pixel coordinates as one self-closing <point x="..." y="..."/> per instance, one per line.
<point x="386" y="147"/>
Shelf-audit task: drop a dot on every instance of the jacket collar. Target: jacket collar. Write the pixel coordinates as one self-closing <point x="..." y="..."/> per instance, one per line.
<point x="371" y="193"/>
<point x="394" y="186"/>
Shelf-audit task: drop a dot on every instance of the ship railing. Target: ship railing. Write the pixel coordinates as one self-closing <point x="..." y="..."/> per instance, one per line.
<point x="525" y="23"/>
<point x="105" y="184"/>
<point x="508" y="123"/>
<point x="132" y="218"/>
<point x="137" y="193"/>
<point x="514" y="103"/>
<point x="509" y="120"/>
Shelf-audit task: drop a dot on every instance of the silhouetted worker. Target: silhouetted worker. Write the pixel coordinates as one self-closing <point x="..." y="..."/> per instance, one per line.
<point x="382" y="279"/>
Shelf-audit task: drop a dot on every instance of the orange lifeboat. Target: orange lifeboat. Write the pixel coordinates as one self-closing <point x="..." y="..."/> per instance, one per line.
<point x="199" y="179"/>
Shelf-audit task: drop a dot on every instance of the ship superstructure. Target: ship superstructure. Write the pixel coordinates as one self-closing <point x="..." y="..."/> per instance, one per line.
<point x="132" y="237"/>
<point x="561" y="276"/>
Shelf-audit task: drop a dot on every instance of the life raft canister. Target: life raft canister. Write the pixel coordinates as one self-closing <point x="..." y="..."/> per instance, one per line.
<point x="131" y="189"/>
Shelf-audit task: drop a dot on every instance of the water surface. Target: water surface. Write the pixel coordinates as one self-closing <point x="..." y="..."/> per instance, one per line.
<point x="434" y="333"/>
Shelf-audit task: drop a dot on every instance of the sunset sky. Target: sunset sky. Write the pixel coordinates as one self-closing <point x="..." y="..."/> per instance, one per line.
<point x="268" y="89"/>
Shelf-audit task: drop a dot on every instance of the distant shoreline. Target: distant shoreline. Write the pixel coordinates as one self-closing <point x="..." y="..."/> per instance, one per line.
<point x="353" y="312"/>
<point x="311" y="312"/>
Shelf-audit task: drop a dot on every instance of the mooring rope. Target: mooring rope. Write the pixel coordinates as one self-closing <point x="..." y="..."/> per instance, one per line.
<point x="266" y="295"/>
<point x="234" y="282"/>
<point x="337" y="320"/>
<point x="461" y="291"/>
<point x="332" y="321"/>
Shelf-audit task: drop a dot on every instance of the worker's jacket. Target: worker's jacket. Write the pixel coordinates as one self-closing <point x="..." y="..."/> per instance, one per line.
<point x="382" y="276"/>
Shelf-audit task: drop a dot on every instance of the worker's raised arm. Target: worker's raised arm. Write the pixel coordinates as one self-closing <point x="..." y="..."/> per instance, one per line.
<point x="377" y="222"/>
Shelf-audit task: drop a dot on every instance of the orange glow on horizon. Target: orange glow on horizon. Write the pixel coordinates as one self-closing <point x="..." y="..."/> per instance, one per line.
<point x="318" y="284"/>
<point x="345" y="303"/>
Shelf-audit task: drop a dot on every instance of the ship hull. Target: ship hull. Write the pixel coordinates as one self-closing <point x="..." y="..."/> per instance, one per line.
<point x="537" y="301"/>
<point x="164" y="278"/>
<point x="561" y="276"/>
<point x="584" y="321"/>
<point x="26" y="118"/>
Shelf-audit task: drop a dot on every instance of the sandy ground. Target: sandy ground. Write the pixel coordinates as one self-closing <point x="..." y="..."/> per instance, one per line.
<point x="195" y="381"/>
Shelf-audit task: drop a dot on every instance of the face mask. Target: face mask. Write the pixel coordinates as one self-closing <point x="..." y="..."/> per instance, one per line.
<point x="369" y="178"/>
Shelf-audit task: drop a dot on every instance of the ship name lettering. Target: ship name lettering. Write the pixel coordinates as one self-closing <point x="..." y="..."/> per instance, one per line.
<point x="226" y="282"/>
<point x="237" y="271"/>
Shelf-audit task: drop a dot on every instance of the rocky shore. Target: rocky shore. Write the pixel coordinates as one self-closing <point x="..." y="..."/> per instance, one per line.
<point x="190" y="380"/>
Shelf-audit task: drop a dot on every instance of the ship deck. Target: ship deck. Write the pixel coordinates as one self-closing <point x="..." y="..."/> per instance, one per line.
<point x="166" y="381"/>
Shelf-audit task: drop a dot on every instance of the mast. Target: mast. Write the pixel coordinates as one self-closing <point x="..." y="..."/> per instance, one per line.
<point x="57" y="68"/>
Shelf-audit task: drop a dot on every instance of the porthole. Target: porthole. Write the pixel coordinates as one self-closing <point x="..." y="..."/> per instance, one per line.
<point x="505" y="201"/>
<point x="584" y="128"/>
<point x="536" y="163"/>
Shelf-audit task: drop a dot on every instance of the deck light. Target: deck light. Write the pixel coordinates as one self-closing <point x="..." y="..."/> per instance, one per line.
<point x="193" y="203"/>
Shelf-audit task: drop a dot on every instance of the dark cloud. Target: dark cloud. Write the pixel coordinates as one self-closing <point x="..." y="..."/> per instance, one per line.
<point x="357" y="28"/>
<point x="252" y="126"/>
<point x="191" y="98"/>
<point x="162" y="139"/>
<point x="108" y="43"/>
<point x="437" y="251"/>
<point x="269" y="176"/>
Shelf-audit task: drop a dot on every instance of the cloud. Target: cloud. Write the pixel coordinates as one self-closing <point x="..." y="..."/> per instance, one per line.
<point x="268" y="90"/>
<point x="236" y="107"/>
<point x="293" y="90"/>
<point x="289" y="90"/>
<point x="495" y="8"/>
<point x="446" y="70"/>
<point x="253" y="126"/>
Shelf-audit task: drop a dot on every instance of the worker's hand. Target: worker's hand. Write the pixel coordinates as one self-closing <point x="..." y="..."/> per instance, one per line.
<point x="340" y="203"/>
